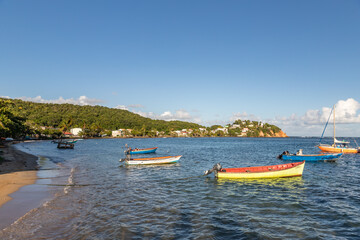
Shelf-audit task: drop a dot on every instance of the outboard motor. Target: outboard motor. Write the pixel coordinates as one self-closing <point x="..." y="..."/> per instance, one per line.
<point x="284" y="153"/>
<point x="216" y="168"/>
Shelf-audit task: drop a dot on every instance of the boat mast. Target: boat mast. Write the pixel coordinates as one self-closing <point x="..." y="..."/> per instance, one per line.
<point x="334" y="125"/>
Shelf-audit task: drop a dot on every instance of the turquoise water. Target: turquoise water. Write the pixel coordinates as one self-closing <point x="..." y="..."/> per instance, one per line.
<point x="96" y="197"/>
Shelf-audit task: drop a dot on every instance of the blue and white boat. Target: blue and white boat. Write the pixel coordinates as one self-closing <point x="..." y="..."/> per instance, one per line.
<point x="132" y="151"/>
<point x="299" y="156"/>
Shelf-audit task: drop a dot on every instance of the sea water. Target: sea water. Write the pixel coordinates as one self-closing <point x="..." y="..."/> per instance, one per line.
<point x="94" y="196"/>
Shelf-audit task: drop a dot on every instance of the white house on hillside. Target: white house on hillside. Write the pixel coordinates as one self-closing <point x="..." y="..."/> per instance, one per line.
<point x="75" y="131"/>
<point x="235" y="126"/>
<point x="117" y="133"/>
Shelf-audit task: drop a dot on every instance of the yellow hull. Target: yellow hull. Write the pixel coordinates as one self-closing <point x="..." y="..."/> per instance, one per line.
<point x="337" y="149"/>
<point x="291" y="172"/>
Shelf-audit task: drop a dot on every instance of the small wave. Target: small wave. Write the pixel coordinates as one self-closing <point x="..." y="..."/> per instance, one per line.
<point x="70" y="181"/>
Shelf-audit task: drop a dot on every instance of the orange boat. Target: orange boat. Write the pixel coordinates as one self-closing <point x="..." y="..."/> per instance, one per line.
<point x="337" y="146"/>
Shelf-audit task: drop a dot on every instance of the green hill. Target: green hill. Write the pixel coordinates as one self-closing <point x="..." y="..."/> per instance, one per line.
<point x="66" y="116"/>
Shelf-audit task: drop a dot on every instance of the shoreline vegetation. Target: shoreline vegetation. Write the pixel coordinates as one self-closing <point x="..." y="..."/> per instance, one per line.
<point x="28" y="120"/>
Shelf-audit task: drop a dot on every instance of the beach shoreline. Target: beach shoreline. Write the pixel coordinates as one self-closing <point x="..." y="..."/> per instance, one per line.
<point x="14" y="160"/>
<point x="12" y="182"/>
<point x="17" y="169"/>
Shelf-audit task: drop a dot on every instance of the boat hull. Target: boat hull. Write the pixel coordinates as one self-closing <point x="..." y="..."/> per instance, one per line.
<point x="143" y="151"/>
<point x="274" y="171"/>
<point x="312" y="157"/>
<point x="325" y="148"/>
<point x="152" y="161"/>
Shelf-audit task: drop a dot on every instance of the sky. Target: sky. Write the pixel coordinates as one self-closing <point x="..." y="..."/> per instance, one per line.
<point x="204" y="61"/>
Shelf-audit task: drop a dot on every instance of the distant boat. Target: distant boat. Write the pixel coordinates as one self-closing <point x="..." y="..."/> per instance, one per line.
<point x="64" y="141"/>
<point x="337" y="146"/>
<point x="274" y="171"/>
<point x="65" y="145"/>
<point x="140" y="151"/>
<point x="309" y="157"/>
<point x="151" y="161"/>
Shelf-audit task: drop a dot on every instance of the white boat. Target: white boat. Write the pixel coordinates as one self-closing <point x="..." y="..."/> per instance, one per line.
<point x="151" y="161"/>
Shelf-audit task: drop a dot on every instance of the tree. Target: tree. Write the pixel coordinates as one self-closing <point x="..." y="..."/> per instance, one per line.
<point x="10" y="124"/>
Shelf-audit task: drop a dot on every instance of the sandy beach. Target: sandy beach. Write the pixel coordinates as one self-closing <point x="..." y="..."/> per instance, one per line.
<point x="17" y="169"/>
<point x="11" y="182"/>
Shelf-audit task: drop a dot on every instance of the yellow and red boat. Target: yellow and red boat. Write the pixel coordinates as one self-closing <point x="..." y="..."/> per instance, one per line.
<point x="274" y="171"/>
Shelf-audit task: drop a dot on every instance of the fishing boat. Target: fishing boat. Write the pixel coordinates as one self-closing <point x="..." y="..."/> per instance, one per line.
<point x="337" y="146"/>
<point x="299" y="156"/>
<point x="274" y="171"/>
<point x="64" y="141"/>
<point x="65" y="145"/>
<point x="140" y="151"/>
<point x="151" y="161"/>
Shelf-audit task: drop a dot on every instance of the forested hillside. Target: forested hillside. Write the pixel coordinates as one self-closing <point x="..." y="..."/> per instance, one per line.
<point x="66" y="116"/>
<point x="20" y="118"/>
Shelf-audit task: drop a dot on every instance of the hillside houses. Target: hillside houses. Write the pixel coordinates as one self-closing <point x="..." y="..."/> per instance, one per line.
<point x="76" y="131"/>
<point x="223" y="130"/>
<point x="121" y="133"/>
<point x="237" y="129"/>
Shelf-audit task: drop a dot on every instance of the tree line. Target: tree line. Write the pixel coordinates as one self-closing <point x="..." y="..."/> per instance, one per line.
<point x="19" y="118"/>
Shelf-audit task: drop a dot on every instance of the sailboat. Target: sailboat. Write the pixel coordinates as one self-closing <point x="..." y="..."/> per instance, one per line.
<point x="338" y="146"/>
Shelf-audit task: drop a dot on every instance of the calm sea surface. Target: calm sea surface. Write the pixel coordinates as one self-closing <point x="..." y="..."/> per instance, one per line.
<point x="95" y="197"/>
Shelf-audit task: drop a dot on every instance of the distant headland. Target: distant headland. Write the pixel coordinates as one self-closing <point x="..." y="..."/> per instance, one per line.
<point x="23" y="119"/>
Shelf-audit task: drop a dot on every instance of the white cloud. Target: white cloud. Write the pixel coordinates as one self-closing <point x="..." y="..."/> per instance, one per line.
<point x="346" y="111"/>
<point x="128" y="107"/>
<point x="313" y="121"/>
<point x="82" y="100"/>
<point x="181" y="115"/>
<point x="178" y="115"/>
<point x="243" y="116"/>
<point x="135" y="106"/>
<point x="122" y="107"/>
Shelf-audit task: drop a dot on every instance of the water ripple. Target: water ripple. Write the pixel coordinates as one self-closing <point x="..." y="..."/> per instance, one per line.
<point x="176" y="202"/>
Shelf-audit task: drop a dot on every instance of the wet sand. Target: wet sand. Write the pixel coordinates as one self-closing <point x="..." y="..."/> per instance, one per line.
<point x="14" y="160"/>
<point x="12" y="182"/>
<point x="17" y="169"/>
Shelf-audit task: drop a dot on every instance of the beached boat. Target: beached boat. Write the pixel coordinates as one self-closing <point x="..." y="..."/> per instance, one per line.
<point x="299" y="156"/>
<point x="150" y="161"/>
<point x="337" y="146"/>
<point x="140" y="151"/>
<point x="274" y="171"/>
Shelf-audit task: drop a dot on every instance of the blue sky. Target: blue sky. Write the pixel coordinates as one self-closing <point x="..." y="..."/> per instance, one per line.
<point x="204" y="61"/>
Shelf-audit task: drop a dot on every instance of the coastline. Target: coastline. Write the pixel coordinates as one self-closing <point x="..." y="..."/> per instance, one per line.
<point x="17" y="169"/>
<point x="14" y="160"/>
<point x="12" y="182"/>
